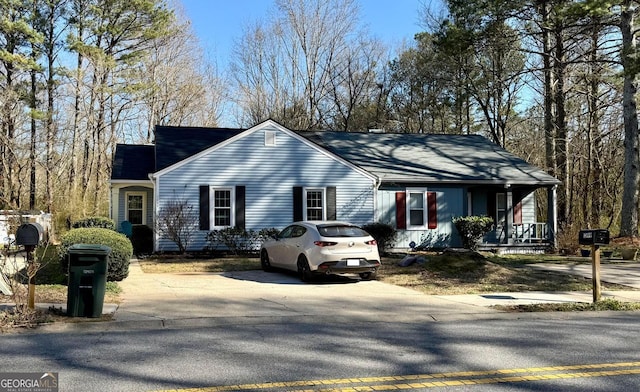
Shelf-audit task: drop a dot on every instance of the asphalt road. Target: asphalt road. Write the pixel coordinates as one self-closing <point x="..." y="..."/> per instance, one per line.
<point x="589" y="351"/>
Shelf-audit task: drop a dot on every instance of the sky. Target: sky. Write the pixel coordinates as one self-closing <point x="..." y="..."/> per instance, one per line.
<point x="218" y="23"/>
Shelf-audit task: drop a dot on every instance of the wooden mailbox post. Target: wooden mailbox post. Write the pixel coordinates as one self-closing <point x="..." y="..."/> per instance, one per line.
<point x="595" y="238"/>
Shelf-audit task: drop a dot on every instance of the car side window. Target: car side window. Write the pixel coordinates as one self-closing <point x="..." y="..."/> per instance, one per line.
<point x="286" y="233"/>
<point x="298" y="231"/>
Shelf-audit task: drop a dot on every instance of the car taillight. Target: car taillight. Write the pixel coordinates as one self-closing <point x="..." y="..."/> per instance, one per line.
<point x="324" y="243"/>
<point x="372" y="242"/>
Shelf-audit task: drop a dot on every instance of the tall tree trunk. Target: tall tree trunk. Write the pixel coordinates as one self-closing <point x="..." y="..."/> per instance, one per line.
<point x="75" y="139"/>
<point x="629" y="220"/>
<point x="10" y="157"/>
<point x="594" y="168"/>
<point x="549" y="93"/>
<point x="50" y="52"/>
<point x="32" y="149"/>
<point x="561" y="136"/>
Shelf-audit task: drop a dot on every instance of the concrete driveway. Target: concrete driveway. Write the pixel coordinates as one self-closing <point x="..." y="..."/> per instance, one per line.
<point x="205" y="298"/>
<point x="250" y="294"/>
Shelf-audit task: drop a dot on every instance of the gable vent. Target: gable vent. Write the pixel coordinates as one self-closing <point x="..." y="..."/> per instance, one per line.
<point x="269" y="138"/>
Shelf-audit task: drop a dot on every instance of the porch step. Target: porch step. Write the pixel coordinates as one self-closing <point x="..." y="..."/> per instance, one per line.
<point x="516" y="249"/>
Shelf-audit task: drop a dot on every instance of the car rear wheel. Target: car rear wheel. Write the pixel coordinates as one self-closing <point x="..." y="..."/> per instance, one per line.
<point x="304" y="272"/>
<point x="368" y="275"/>
<point x="264" y="261"/>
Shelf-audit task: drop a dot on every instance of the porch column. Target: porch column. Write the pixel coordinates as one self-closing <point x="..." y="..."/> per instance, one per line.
<point x="552" y="215"/>
<point x="508" y="228"/>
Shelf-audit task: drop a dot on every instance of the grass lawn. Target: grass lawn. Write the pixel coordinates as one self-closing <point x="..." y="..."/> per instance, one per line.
<point x="446" y="274"/>
<point x="177" y="264"/>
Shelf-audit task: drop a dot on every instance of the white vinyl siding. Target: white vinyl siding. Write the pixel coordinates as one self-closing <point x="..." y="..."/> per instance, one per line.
<point x="451" y="202"/>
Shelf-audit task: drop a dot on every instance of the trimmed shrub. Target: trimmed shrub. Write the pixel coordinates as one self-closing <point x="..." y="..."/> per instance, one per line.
<point x="384" y="234"/>
<point x="49" y="271"/>
<point x="95" y="221"/>
<point x="472" y="229"/>
<point x="237" y="240"/>
<point x="142" y="239"/>
<point x="121" y="249"/>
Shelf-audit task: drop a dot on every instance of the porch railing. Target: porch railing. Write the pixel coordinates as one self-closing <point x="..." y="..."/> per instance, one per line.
<point x="530" y="232"/>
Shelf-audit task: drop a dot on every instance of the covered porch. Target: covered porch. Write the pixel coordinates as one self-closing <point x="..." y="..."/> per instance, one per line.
<point x="517" y="229"/>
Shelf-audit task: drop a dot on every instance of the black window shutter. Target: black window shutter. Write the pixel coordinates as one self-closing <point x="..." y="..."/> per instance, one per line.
<point x="204" y="207"/>
<point x="297" y="203"/>
<point x="240" y="207"/>
<point x="331" y="203"/>
<point x="491" y="205"/>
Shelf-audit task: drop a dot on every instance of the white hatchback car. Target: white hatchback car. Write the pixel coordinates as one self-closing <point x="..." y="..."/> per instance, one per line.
<point x="322" y="247"/>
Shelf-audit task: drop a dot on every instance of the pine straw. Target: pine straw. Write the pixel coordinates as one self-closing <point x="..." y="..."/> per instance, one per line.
<point x="14" y="319"/>
<point x="626" y="241"/>
<point x="19" y="318"/>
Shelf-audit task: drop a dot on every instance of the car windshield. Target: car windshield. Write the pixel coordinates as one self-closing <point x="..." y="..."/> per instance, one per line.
<point x="341" y="231"/>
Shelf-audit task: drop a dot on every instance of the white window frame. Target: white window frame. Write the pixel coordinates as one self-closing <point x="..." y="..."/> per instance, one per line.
<point x="324" y="201"/>
<point x="144" y="206"/>
<point x="212" y="206"/>
<point x="270" y="138"/>
<point x="425" y="208"/>
<point x="501" y="209"/>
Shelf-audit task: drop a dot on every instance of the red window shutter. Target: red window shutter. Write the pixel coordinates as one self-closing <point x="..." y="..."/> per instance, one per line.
<point x="401" y="210"/>
<point x="432" y="212"/>
<point x="517" y="213"/>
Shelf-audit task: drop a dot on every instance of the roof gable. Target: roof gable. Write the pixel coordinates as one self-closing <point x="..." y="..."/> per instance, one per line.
<point x="431" y="158"/>
<point x="265" y="125"/>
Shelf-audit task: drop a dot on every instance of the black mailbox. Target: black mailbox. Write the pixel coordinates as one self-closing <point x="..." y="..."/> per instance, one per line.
<point x="594" y="237"/>
<point x="29" y="234"/>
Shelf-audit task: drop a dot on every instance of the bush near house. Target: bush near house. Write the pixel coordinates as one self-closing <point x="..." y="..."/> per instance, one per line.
<point x="237" y="240"/>
<point x="121" y="249"/>
<point x="384" y="234"/>
<point x="472" y="229"/>
<point x="95" y="221"/>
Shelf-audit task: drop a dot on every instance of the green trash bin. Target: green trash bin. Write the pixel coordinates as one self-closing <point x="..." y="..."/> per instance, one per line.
<point x="88" y="266"/>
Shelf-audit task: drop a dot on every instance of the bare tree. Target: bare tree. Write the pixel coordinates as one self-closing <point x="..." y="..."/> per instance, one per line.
<point x="177" y="221"/>
<point x="286" y="68"/>
<point x="175" y="88"/>
<point x="355" y="86"/>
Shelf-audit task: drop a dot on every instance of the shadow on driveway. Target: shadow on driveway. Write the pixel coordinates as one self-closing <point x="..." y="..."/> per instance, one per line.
<point x="286" y="277"/>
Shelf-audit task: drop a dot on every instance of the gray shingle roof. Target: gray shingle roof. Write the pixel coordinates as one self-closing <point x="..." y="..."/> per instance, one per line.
<point x="133" y="162"/>
<point x="428" y="158"/>
<point x="174" y="144"/>
<point x="393" y="158"/>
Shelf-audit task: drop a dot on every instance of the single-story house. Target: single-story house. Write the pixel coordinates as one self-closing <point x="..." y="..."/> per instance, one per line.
<point x="268" y="176"/>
